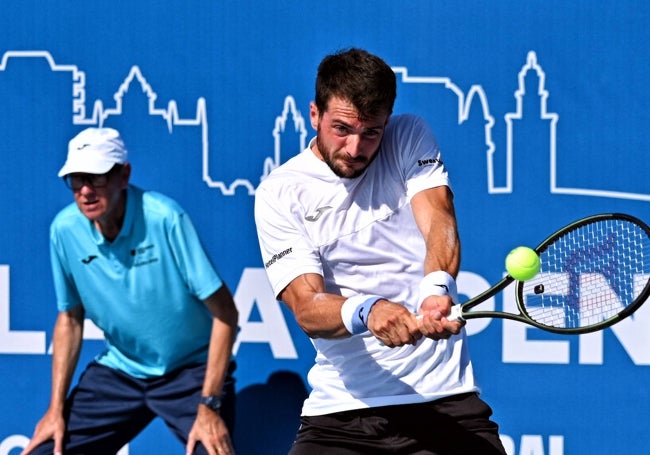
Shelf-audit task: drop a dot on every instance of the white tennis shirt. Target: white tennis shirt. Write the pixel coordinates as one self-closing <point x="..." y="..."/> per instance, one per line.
<point x="361" y="236"/>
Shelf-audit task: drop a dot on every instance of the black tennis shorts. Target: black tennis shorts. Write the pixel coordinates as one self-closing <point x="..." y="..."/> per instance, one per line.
<point x="456" y="425"/>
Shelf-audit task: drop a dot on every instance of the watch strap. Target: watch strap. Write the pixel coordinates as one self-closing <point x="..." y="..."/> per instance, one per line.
<point x="212" y="401"/>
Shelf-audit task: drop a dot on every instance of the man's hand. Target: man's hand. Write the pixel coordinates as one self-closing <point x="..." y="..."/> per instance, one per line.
<point x="51" y="426"/>
<point x="393" y="324"/>
<point x="211" y="431"/>
<point x="432" y="318"/>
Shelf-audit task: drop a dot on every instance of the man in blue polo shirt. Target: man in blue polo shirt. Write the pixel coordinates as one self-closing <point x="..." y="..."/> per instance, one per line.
<point x="131" y="261"/>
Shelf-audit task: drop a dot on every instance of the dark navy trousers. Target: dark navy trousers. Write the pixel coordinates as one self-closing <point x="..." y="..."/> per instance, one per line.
<point x="108" y="408"/>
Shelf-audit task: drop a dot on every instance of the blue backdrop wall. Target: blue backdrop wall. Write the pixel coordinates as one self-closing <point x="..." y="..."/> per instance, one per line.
<point x="539" y="106"/>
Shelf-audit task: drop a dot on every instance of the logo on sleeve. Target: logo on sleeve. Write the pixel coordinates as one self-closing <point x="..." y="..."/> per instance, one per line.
<point x="318" y="214"/>
<point x="276" y="257"/>
<point x="429" y="162"/>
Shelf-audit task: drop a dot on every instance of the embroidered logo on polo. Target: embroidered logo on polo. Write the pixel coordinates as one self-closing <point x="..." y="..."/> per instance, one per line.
<point x="144" y="255"/>
<point x="89" y="259"/>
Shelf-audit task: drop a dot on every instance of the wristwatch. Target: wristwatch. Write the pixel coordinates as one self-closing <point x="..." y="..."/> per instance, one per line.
<point x="212" y="401"/>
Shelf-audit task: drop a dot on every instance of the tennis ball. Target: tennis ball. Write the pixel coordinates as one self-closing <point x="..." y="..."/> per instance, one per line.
<point x="522" y="263"/>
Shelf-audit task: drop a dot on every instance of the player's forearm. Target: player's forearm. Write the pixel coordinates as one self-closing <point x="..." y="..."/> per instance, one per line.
<point x="219" y="355"/>
<point x="317" y="313"/>
<point x="321" y="317"/>
<point x="434" y="214"/>
<point x="224" y="330"/>
<point x="443" y="248"/>
<point x="68" y="332"/>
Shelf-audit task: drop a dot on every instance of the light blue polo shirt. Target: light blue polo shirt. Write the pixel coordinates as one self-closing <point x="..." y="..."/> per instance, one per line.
<point x="144" y="289"/>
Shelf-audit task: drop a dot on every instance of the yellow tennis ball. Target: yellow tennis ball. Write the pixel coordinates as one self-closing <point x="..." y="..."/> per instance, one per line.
<point x="522" y="263"/>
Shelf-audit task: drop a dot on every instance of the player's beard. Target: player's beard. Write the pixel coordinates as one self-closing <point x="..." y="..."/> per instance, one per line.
<point x="335" y="161"/>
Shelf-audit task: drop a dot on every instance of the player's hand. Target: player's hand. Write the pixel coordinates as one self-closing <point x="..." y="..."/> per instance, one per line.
<point x="432" y="318"/>
<point x="393" y="324"/>
<point x="51" y="426"/>
<point x="209" y="429"/>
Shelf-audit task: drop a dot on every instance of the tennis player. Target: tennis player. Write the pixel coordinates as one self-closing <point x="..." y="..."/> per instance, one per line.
<point x="358" y="235"/>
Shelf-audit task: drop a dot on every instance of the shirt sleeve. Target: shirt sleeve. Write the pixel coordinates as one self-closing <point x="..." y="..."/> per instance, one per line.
<point x="194" y="265"/>
<point x="284" y="245"/>
<point x="420" y="156"/>
<point x="67" y="296"/>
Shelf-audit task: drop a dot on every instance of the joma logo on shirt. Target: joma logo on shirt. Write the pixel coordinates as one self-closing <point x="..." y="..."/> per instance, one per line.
<point x="89" y="259"/>
<point x="319" y="213"/>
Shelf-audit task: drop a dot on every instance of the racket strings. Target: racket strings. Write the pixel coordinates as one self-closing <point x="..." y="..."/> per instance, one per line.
<point x="589" y="275"/>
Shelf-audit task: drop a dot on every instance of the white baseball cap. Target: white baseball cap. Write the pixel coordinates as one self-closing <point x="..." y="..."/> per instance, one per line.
<point x="94" y="151"/>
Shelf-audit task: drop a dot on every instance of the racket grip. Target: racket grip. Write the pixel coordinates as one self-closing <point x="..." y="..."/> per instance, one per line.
<point x="456" y="314"/>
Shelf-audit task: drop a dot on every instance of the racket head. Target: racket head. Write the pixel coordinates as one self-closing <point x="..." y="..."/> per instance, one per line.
<point x="594" y="273"/>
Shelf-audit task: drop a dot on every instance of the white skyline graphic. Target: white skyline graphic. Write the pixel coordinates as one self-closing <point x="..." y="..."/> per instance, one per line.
<point x="290" y="120"/>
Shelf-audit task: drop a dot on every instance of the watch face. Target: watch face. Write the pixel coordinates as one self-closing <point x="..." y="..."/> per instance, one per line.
<point x="212" y="402"/>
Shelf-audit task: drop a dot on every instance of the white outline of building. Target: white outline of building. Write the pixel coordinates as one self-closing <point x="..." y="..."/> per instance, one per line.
<point x="171" y="117"/>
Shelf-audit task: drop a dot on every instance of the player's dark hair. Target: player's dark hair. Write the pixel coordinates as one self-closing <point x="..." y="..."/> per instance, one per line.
<point x="359" y="77"/>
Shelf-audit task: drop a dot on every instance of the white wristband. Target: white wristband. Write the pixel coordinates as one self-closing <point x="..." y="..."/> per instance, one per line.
<point x="438" y="283"/>
<point x="355" y="311"/>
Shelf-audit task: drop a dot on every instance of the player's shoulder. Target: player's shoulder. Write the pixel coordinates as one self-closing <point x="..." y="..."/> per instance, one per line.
<point x="407" y="121"/>
<point x="68" y="217"/>
<point x="294" y="169"/>
<point x="406" y="131"/>
<point x="155" y="203"/>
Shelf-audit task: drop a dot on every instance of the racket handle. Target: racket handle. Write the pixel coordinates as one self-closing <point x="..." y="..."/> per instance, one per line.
<point x="456" y="314"/>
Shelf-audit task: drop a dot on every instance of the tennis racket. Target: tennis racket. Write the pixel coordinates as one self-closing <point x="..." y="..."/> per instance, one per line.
<point x="594" y="273"/>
